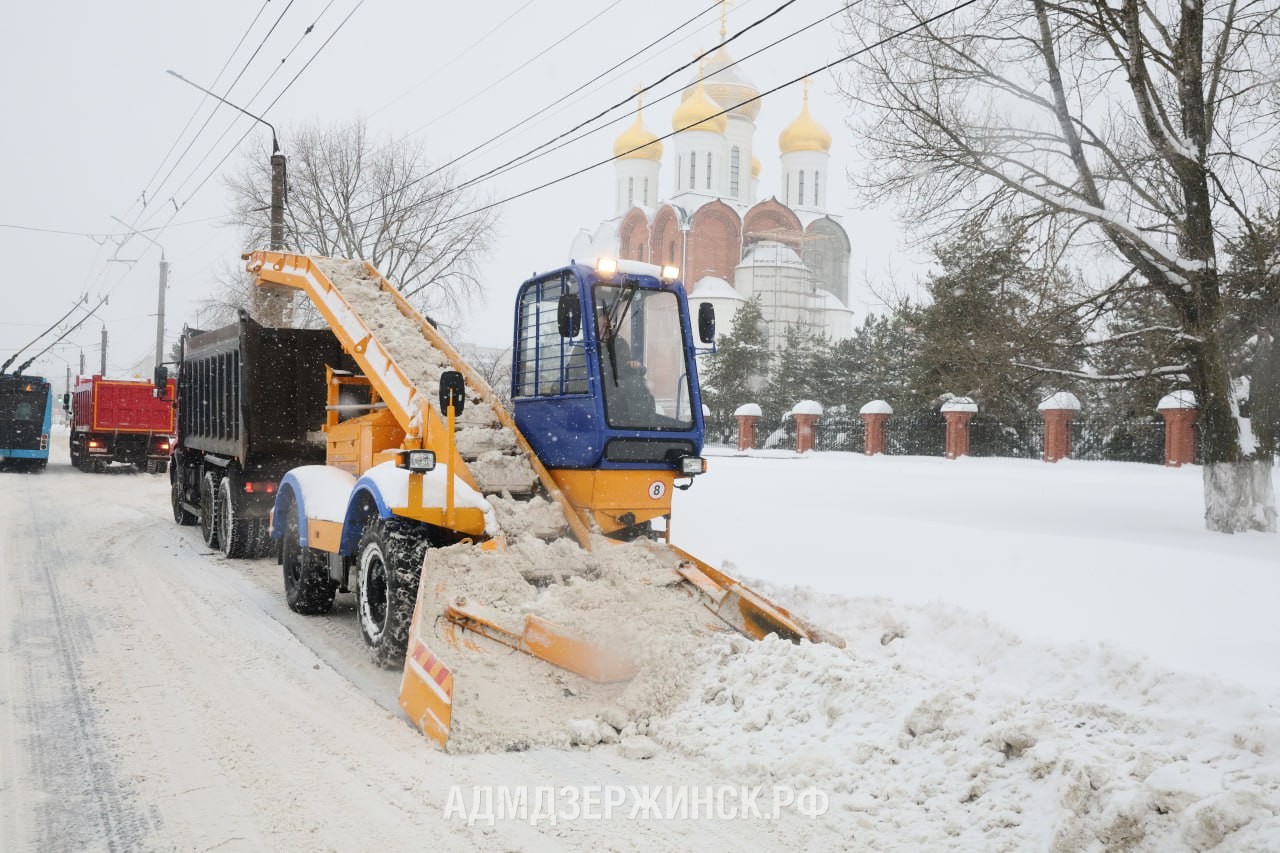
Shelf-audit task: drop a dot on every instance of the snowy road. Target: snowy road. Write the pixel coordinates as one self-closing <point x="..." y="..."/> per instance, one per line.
<point x="156" y="696"/>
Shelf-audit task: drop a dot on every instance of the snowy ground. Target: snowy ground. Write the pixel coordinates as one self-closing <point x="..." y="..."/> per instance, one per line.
<point x="1040" y="657"/>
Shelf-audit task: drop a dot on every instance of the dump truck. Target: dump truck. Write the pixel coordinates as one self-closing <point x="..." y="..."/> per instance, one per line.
<point x="26" y="414"/>
<point x="517" y="566"/>
<point x="116" y="420"/>
<point x="250" y="404"/>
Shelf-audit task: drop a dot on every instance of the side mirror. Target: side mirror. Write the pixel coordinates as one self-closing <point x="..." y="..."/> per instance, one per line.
<point x="569" y="315"/>
<point x="161" y="381"/>
<point x="707" y="323"/>
<point x="453" y="392"/>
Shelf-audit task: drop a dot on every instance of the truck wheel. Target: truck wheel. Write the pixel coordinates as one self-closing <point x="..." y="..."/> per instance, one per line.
<point x="388" y="563"/>
<point x="308" y="589"/>
<point x="209" y="509"/>
<point x="236" y="535"/>
<point x="180" y="515"/>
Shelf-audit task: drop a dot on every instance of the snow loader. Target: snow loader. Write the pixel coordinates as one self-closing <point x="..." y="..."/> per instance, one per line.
<point x="470" y="533"/>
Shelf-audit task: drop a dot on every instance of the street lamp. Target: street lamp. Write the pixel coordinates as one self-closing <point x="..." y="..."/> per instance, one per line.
<point x="277" y="165"/>
<point x="269" y="310"/>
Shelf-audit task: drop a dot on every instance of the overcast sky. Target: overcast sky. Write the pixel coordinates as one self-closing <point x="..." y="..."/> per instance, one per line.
<point x="89" y="115"/>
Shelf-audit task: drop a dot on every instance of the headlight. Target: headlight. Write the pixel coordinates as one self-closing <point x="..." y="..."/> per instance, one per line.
<point x="417" y="461"/>
<point x="606" y="268"/>
<point x="691" y="465"/>
<point x="670" y="274"/>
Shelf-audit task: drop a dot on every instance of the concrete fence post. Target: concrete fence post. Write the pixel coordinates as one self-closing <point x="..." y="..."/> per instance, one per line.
<point x="1179" y="412"/>
<point x="958" y="411"/>
<point x="874" y="416"/>
<point x="747" y="414"/>
<point x="806" y="413"/>
<point x="1058" y="410"/>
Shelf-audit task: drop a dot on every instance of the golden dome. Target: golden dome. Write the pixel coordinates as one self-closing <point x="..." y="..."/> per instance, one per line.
<point x="637" y="143"/>
<point x="699" y="112"/>
<point x="728" y="88"/>
<point x="804" y="134"/>
<point x="755" y="166"/>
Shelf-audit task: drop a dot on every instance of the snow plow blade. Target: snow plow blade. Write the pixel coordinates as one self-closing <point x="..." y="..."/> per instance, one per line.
<point x="649" y="607"/>
<point x="546" y="640"/>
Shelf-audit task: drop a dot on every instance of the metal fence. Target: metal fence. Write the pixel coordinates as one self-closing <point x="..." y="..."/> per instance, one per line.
<point x="924" y="434"/>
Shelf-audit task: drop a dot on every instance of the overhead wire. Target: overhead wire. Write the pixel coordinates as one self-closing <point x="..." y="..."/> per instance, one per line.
<point x="459" y="55"/>
<point x="779" y="87"/>
<point x="278" y="96"/>
<point x="225" y="93"/>
<point x="306" y="32"/>
<point x="606" y="111"/>
<point x="199" y="106"/>
<point x="178" y="207"/>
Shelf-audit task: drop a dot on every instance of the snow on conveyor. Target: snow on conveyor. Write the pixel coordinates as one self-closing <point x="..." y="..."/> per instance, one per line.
<point x="491" y="452"/>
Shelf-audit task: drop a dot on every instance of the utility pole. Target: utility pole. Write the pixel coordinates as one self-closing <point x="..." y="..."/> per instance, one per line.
<point x="277" y="198"/>
<point x="81" y="373"/>
<point x="103" y="371"/>
<point x="164" y="283"/>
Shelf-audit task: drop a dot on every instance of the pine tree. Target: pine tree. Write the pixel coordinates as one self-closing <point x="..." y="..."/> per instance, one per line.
<point x="739" y="371"/>
<point x="794" y="376"/>
<point x="992" y="315"/>
<point x="1252" y="284"/>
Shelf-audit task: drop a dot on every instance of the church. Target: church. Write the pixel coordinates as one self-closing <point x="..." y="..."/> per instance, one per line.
<point x="730" y="244"/>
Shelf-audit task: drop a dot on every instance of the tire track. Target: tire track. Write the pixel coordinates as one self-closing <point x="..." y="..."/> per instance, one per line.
<point x="78" y="801"/>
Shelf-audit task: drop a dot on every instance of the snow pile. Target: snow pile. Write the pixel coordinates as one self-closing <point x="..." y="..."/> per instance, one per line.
<point x="806" y="407"/>
<point x="960" y="404"/>
<point x="1060" y="401"/>
<point x="1182" y="399"/>
<point x="937" y="730"/>
<point x="621" y="597"/>
<point x="876" y="407"/>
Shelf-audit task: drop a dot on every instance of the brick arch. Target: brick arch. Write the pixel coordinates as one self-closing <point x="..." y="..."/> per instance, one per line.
<point x="633" y="236"/>
<point x="666" y="243"/>
<point x="772" y="220"/>
<point x="715" y="243"/>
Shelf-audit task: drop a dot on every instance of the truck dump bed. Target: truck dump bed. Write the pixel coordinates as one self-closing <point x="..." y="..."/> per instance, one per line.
<point x="113" y="405"/>
<point x="251" y="392"/>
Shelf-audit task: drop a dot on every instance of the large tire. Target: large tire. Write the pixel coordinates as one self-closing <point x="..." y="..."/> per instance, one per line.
<point x="308" y="589"/>
<point x="209" y="509"/>
<point x="388" y="565"/>
<point x="237" y="536"/>
<point x="180" y="514"/>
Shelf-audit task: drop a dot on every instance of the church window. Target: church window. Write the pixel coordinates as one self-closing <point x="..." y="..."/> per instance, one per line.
<point x="801" y="202"/>
<point x="631" y="192"/>
<point x="816" y="184"/>
<point x="679" y="169"/>
<point x="735" y="161"/>
<point x="693" y="171"/>
<point x="671" y="252"/>
<point x="646" y="192"/>
<point x="708" y="170"/>
<point x="786" y="188"/>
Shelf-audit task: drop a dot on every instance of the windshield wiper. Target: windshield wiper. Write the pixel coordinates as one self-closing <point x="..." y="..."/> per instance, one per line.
<point x="614" y="314"/>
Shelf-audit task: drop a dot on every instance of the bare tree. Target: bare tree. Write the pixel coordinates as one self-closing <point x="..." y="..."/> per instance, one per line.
<point x="1137" y="137"/>
<point x="349" y="197"/>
